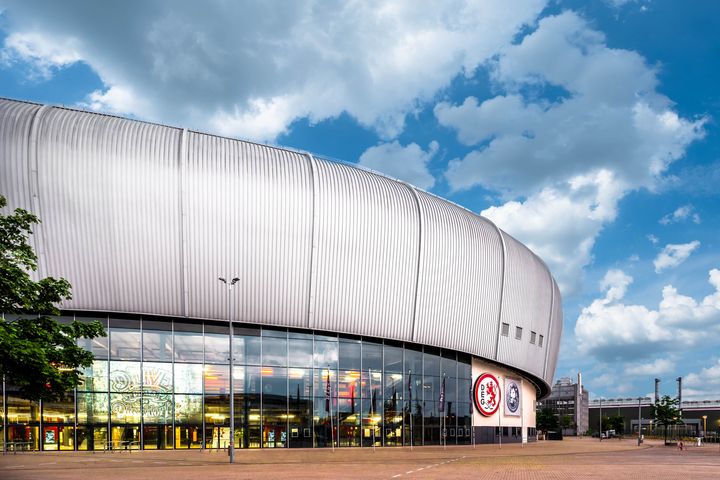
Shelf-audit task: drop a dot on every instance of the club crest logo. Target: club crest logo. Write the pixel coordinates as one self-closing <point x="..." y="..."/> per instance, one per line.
<point x="487" y="394"/>
<point x="512" y="397"/>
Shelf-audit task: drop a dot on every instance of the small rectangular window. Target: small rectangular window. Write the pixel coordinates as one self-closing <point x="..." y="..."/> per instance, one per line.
<point x="505" y="329"/>
<point x="540" y="341"/>
<point x="518" y="332"/>
<point x="532" y="337"/>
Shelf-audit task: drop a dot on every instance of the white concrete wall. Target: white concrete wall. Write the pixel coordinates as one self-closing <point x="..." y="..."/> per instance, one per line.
<point x="500" y="418"/>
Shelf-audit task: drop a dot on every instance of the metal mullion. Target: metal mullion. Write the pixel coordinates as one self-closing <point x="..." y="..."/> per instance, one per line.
<point x="202" y="424"/>
<point x="172" y="361"/>
<point x="142" y="386"/>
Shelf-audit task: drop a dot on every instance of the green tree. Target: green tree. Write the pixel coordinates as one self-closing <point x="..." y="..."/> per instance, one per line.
<point x="37" y="354"/>
<point x="546" y="419"/>
<point x="666" y="413"/>
<point x="617" y="423"/>
<point x="567" y="421"/>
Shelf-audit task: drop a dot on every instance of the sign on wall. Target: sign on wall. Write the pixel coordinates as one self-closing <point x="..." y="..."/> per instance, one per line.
<point x="486" y="394"/>
<point x="512" y="397"/>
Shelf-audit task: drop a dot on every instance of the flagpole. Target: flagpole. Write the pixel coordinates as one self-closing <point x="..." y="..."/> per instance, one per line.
<point x="443" y="421"/>
<point x="410" y="409"/>
<point x="500" y="432"/>
<point x="329" y="394"/>
<point x="372" y="410"/>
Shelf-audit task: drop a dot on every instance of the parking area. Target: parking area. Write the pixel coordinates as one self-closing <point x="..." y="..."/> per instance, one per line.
<point x="570" y="458"/>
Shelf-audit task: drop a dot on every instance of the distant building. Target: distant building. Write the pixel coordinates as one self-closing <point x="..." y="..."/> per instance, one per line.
<point x="699" y="417"/>
<point x="569" y="399"/>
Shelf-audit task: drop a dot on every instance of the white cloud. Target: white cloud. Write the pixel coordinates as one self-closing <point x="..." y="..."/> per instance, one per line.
<point x="660" y="366"/>
<point x="561" y="223"/>
<point x="250" y="69"/>
<point x="703" y="385"/>
<point x="608" y="122"/>
<point x="680" y="214"/>
<point x="653" y="239"/>
<point x="407" y="163"/>
<point x="673" y="255"/>
<point x="610" y="329"/>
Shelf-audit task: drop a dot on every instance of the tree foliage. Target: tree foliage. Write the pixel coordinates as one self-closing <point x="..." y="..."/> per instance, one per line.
<point x="546" y="419"/>
<point x="38" y="355"/>
<point x="667" y="413"/>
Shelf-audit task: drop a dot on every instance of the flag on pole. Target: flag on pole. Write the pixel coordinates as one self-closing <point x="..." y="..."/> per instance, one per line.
<point x="441" y="408"/>
<point x="327" y="393"/>
<point x="410" y="386"/>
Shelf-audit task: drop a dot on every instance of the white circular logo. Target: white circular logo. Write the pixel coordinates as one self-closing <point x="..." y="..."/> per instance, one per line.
<point x="487" y="394"/>
<point x="512" y="396"/>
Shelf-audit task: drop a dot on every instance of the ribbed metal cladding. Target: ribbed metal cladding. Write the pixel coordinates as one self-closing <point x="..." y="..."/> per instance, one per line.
<point x="109" y="210"/>
<point x="461" y="270"/>
<point x="366" y="253"/>
<point x="556" y="328"/>
<point x="526" y="304"/>
<point x="250" y="216"/>
<point x="15" y="120"/>
<point x="144" y="218"/>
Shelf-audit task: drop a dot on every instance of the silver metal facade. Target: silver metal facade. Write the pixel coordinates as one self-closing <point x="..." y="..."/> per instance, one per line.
<point x="143" y="218"/>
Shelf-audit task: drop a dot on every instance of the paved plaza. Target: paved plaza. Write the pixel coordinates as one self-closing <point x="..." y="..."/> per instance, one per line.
<point x="571" y="458"/>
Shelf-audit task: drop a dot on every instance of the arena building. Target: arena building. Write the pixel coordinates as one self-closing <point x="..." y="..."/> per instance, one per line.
<point x="366" y="312"/>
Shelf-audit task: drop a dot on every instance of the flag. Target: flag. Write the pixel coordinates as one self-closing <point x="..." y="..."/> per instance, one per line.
<point x="327" y="393"/>
<point x="372" y="403"/>
<point x="410" y="386"/>
<point x="441" y="408"/>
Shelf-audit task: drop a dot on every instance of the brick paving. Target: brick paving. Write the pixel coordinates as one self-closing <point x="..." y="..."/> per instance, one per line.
<point x="572" y="458"/>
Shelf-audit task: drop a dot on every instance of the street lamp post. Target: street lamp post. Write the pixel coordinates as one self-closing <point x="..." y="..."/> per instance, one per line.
<point x="704" y="417"/>
<point x="639" y="421"/>
<point x="600" y="421"/>
<point x="231" y="446"/>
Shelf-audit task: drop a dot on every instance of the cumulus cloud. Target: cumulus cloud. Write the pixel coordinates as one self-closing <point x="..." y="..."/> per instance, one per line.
<point x="610" y="329"/>
<point x="703" y="385"/>
<point x="673" y="255"/>
<point x="660" y="366"/>
<point x="409" y="163"/>
<point x="608" y="122"/>
<point x="250" y="69"/>
<point x="681" y="213"/>
<point x="561" y="223"/>
<point x="653" y="239"/>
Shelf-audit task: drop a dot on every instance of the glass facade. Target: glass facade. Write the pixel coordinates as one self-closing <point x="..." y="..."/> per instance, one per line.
<point x="163" y="383"/>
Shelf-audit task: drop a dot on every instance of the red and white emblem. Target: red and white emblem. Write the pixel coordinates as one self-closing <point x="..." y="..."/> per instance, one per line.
<point x="487" y="394"/>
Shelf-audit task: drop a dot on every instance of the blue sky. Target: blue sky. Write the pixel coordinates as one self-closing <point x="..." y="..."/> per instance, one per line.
<point x="588" y="130"/>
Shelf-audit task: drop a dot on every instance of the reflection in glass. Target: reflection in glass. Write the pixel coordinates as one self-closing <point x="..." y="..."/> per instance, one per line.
<point x="371" y="356"/>
<point x="217" y="379"/>
<point x="95" y="377"/>
<point x="350" y="354"/>
<point x="217" y="348"/>
<point x="124" y="376"/>
<point x="157" y="377"/>
<point x="62" y="411"/>
<point x="20" y="410"/>
<point x="125" y="407"/>
<point x="157" y="408"/>
<point x="92" y="408"/>
<point x="300" y="352"/>
<point x="274" y="351"/>
<point x="124" y="344"/>
<point x="326" y="353"/>
<point x="157" y="346"/>
<point x="300" y="382"/>
<point x="188" y="347"/>
<point x="247" y="347"/>
<point x="188" y="378"/>
<point x="188" y="409"/>
<point x="393" y="356"/>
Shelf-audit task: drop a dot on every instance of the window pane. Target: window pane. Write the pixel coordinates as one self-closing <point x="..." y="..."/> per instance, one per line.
<point x="350" y="354"/>
<point x="274" y="351"/>
<point x="326" y="354"/>
<point x="124" y="376"/>
<point x="274" y="383"/>
<point x="125" y="407"/>
<point x="124" y="344"/>
<point x="60" y="412"/>
<point x="93" y="408"/>
<point x="217" y="348"/>
<point x="20" y="410"/>
<point x="393" y="359"/>
<point x="95" y="377"/>
<point x="157" y="408"/>
<point x="217" y="379"/>
<point x="247" y="380"/>
<point x="157" y="377"/>
<point x="371" y="356"/>
<point x="431" y="364"/>
<point x="300" y="352"/>
<point x="188" y="378"/>
<point x="413" y="361"/>
<point x="188" y="409"/>
<point x="394" y="387"/>
<point x="247" y="349"/>
<point x="217" y="410"/>
<point x="157" y="345"/>
<point x="349" y="385"/>
<point x="188" y="347"/>
<point x="449" y="366"/>
<point x="300" y="382"/>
